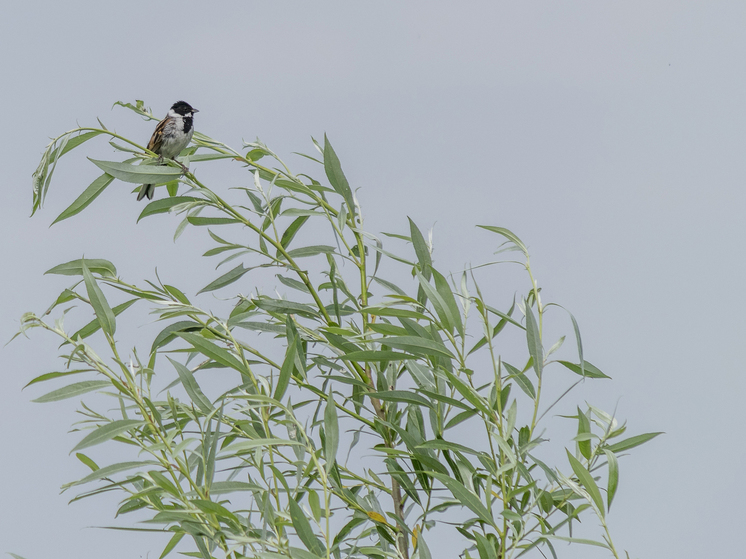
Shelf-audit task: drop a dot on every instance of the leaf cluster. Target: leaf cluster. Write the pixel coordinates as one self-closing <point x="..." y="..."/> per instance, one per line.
<point x="395" y="374"/>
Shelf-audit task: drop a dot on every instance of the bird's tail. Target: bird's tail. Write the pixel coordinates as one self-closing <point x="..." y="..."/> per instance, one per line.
<point x="146" y="190"/>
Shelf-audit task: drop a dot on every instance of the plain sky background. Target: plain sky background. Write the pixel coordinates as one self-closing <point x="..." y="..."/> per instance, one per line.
<point x="608" y="135"/>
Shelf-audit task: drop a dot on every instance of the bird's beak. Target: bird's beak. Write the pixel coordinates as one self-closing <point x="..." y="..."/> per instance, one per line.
<point x="195" y="111"/>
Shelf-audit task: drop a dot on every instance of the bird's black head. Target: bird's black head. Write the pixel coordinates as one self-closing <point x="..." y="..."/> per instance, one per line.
<point x="183" y="108"/>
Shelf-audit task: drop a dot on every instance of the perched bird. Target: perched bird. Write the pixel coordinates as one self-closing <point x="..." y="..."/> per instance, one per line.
<point x="171" y="136"/>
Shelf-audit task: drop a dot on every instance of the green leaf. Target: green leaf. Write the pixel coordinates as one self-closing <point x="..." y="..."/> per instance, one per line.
<point x="288" y="366"/>
<point x="251" y="444"/>
<point x="533" y="338"/>
<point x="177" y="294"/>
<point x="107" y="432"/>
<point x="213" y="351"/>
<point x="168" y="334"/>
<point x="165" y="204"/>
<point x="305" y="252"/>
<point x="421" y="249"/>
<point x="293" y="283"/>
<point x="396" y="312"/>
<point x="315" y="504"/>
<point x="138" y="174"/>
<point x="401" y="476"/>
<point x="99" y="303"/>
<point x="285" y="307"/>
<point x="590" y="370"/>
<point x="331" y="432"/>
<point x="580" y="541"/>
<point x="171" y="544"/>
<point x="613" y="477"/>
<point x="587" y="481"/>
<point x="87" y="461"/>
<point x="465" y="497"/>
<point x="416" y="345"/>
<point x="192" y="387"/>
<point x="57" y="374"/>
<point x="74" y="142"/>
<point x="85" y="199"/>
<point x="292" y="229"/>
<point x="108" y="471"/>
<point x="217" y="509"/>
<point x="75" y="268"/>
<point x="524" y="382"/>
<point x="512" y="237"/>
<point x="371" y="355"/>
<point x="304" y="530"/>
<point x="469" y="393"/>
<point x="164" y="483"/>
<point x="441" y="444"/>
<point x="450" y="308"/>
<point x="336" y="177"/>
<point x="226" y="279"/>
<point x="93" y="326"/>
<point x="203" y="221"/>
<point x="401" y="396"/>
<point x="632" y="442"/>
<point x="584" y="428"/>
<point x="222" y="487"/>
<point x="72" y="390"/>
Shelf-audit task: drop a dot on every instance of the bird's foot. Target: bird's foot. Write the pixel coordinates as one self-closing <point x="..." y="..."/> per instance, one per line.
<point x="183" y="167"/>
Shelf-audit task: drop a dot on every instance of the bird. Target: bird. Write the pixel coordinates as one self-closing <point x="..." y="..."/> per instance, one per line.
<point x="171" y="136"/>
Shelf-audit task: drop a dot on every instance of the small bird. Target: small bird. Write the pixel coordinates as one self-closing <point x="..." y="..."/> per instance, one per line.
<point x="171" y="136"/>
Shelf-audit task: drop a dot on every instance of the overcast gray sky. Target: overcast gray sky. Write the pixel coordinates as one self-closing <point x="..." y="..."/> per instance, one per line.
<point x="608" y="135"/>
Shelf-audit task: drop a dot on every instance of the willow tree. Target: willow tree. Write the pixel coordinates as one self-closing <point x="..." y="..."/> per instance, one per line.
<point x="363" y="412"/>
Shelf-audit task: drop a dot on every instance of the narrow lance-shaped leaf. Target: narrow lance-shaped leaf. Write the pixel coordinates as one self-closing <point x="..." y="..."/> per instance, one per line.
<point x="584" y="428"/>
<point x="72" y="390"/>
<point x="206" y="221"/>
<point x="292" y="229"/>
<point x="86" y="197"/>
<point x="533" y="338"/>
<point x="56" y="374"/>
<point x="192" y="387"/>
<point x="168" y="334"/>
<point x="587" y="481"/>
<point x="305" y="252"/>
<point x="447" y="319"/>
<point x="110" y="470"/>
<point x="414" y="344"/>
<point x="304" y="530"/>
<point x="632" y="442"/>
<point x="613" y="477"/>
<point x="288" y="364"/>
<point x="508" y="234"/>
<point x="465" y="497"/>
<point x="138" y="174"/>
<point x="449" y="301"/>
<point x="587" y="370"/>
<point x="212" y="350"/>
<point x="226" y="279"/>
<point x="331" y="431"/>
<point x="100" y="306"/>
<point x="175" y="539"/>
<point x="164" y="205"/>
<point x="93" y="326"/>
<point x="336" y="177"/>
<point x="107" y="432"/>
<point x="421" y="249"/>
<point x="75" y="267"/>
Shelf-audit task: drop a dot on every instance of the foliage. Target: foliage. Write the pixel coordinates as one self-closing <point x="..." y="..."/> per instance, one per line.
<point x="362" y="414"/>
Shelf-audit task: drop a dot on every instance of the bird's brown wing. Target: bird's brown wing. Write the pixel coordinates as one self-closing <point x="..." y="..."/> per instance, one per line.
<point x="156" y="139"/>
